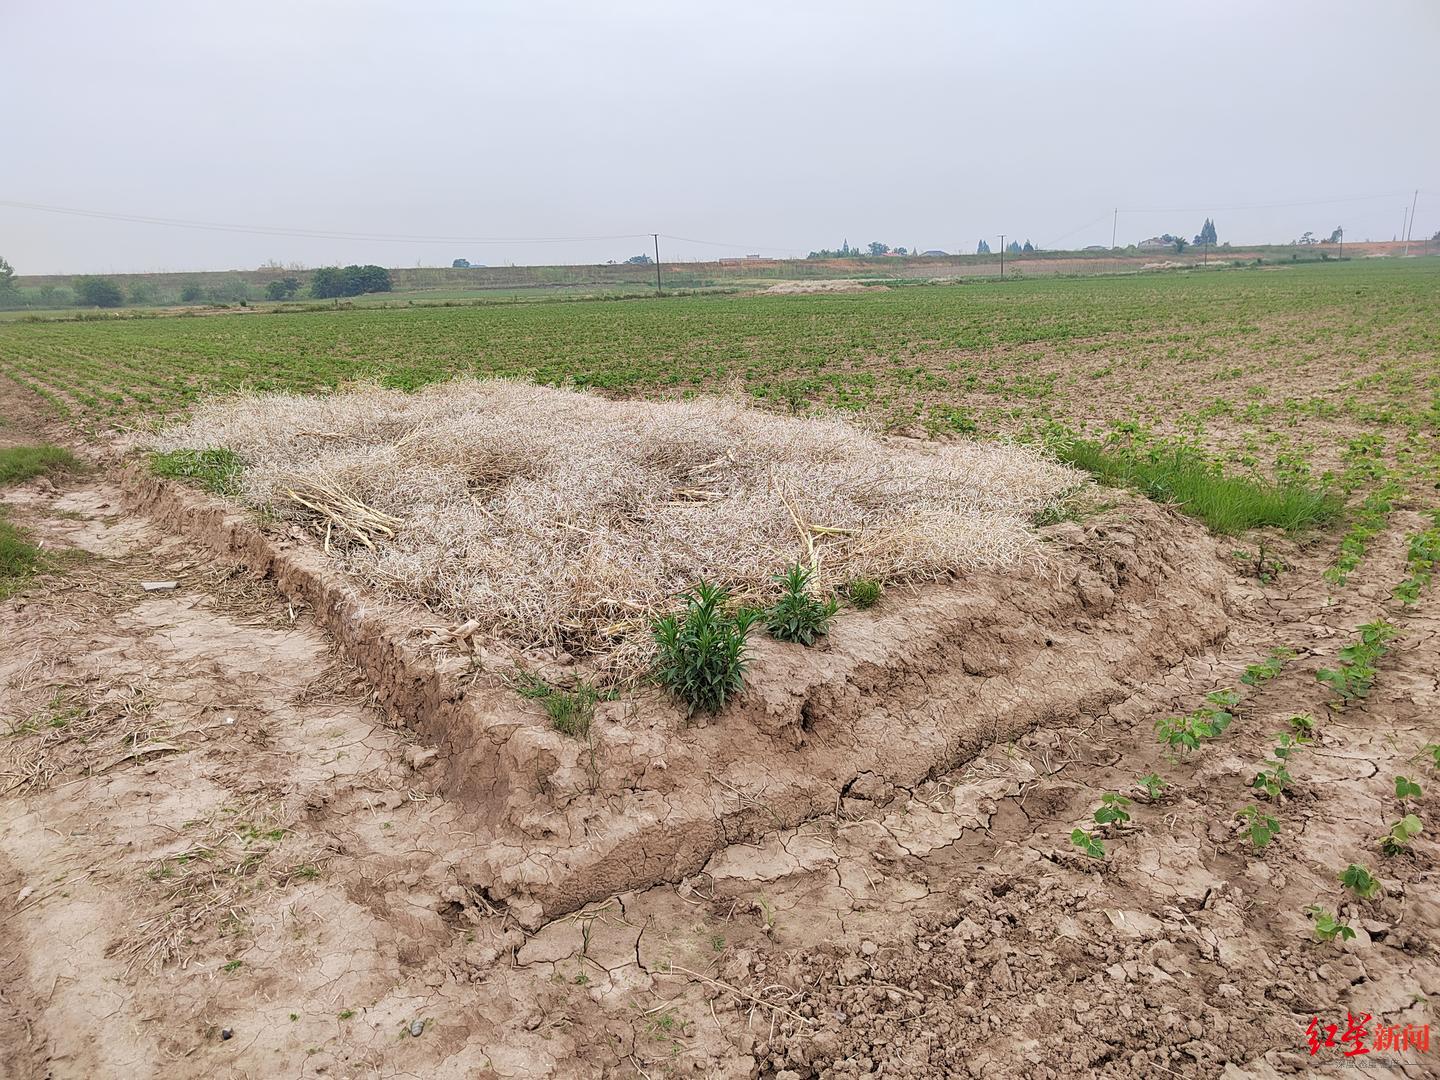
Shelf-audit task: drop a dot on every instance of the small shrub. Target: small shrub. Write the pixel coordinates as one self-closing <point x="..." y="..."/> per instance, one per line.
<point x="797" y="616"/>
<point x="701" y="652"/>
<point x="863" y="592"/>
<point x="217" y="471"/>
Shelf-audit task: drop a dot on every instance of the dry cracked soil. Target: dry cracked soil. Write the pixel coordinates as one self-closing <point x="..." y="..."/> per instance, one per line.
<point x="221" y="855"/>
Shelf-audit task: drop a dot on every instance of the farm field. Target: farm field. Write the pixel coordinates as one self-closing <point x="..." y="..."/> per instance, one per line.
<point x="1151" y="796"/>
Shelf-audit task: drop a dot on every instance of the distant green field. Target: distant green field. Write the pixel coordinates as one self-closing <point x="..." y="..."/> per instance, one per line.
<point x="1265" y="364"/>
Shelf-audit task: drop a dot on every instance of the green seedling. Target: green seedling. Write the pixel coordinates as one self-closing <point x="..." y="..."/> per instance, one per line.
<point x="1208" y="721"/>
<point x="1303" y="724"/>
<point x="1259" y="826"/>
<point x="701" y="653"/>
<point x="1268" y="668"/>
<point x="1327" y="926"/>
<point x="1359" y="881"/>
<point x="1397" y="840"/>
<point x="1405" y="788"/>
<point x="1273" y="780"/>
<point x="1112" y="809"/>
<point x="863" y="592"/>
<point x="1153" y="786"/>
<point x="1353" y="678"/>
<point x="797" y="616"/>
<point x="1088" y="843"/>
<point x="1431" y="751"/>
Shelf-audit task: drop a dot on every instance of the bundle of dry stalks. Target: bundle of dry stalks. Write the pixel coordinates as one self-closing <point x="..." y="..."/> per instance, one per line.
<point x="555" y="517"/>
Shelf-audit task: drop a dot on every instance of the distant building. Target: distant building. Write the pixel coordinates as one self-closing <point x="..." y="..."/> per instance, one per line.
<point x="1155" y="243"/>
<point x="1095" y="247"/>
<point x="936" y="253"/>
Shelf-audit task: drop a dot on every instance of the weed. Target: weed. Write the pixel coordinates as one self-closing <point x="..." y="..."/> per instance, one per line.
<point x="346" y="1014"/>
<point x="1171" y="471"/>
<point x="1267" y="669"/>
<point x="19" y="559"/>
<point x="1327" y="926"/>
<point x="23" y="462"/>
<point x="701" y="652"/>
<point x="1153" y="786"/>
<point x="1356" y="673"/>
<point x="1397" y="840"/>
<point x="571" y="712"/>
<point x="863" y="592"/>
<point x="1359" y="881"/>
<point x="1088" y="842"/>
<point x="216" y="471"/>
<point x="1112" y="809"/>
<point x="797" y="616"/>
<point x="233" y="966"/>
<point x="1260" y="826"/>
<point x="1260" y="564"/>
<point x="1405" y="788"/>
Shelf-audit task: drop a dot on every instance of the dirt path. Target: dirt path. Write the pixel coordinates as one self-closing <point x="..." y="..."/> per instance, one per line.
<point x="207" y="828"/>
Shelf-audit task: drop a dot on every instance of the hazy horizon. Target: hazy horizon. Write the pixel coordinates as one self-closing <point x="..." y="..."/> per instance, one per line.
<point x="770" y="129"/>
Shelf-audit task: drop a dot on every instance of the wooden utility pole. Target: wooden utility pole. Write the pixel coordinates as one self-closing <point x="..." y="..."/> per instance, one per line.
<point x="1002" y="256"/>
<point x="1341" y="231"/>
<point x="656" y="238"/>
<point x="1411" y="226"/>
<point x="1114" y="224"/>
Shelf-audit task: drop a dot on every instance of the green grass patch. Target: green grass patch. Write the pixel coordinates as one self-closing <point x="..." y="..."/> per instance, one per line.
<point x="19" y="559"/>
<point x="23" y="462"/>
<point x="217" y="471"/>
<point x="1175" y="473"/>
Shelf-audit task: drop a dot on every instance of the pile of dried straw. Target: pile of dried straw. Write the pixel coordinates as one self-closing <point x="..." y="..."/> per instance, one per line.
<point x="557" y="517"/>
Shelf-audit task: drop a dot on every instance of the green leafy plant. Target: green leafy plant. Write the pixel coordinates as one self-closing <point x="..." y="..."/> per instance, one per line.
<point x="1259" y="826"/>
<point x="863" y="592"/>
<point x="1420" y="560"/>
<point x="701" y="653"/>
<point x="1272" y="780"/>
<point x="1112" y="809"/>
<point x="1211" y="719"/>
<point x="216" y="471"/>
<point x="1088" y="842"/>
<point x="1431" y="751"/>
<point x="570" y="711"/>
<point x="1327" y="926"/>
<point x="1397" y="839"/>
<point x="1405" y="788"/>
<point x="1359" y="881"/>
<point x="1303" y="724"/>
<point x="1260" y="564"/>
<point x="797" y="616"/>
<point x="1153" y="786"/>
<point x="1355" y="675"/>
<point x="1267" y="669"/>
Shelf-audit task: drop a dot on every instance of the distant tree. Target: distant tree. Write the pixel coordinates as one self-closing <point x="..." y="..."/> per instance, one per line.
<point x="1307" y="237"/>
<point x="98" y="292"/>
<point x="190" y="292"/>
<point x="141" y="293"/>
<point x="640" y="260"/>
<point x="1180" y="244"/>
<point x="877" y="248"/>
<point x="282" y="288"/>
<point x="7" y="277"/>
<point x="1013" y="247"/>
<point x="1028" y="247"/>
<point x="460" y="264"/>
<point x="1436" y="237"/>
<point x="332" y="281"/>
<point x="982" y="248"/>
<point x="1206" y="235"/>
<point x="1336" y="236"/>
<point x="901" y="251"/>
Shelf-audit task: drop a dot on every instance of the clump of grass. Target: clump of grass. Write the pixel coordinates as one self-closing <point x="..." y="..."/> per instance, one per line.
<point x="19" y="559"/>
<point x="217" y="471"/>
<point x="797" y="616"/>
<point x="863" y="592"/>
<point x="702" y="654"/>
<point x="570" y="711"/>
<point x="1181" y="474"/>
<point x="19" y="463"/>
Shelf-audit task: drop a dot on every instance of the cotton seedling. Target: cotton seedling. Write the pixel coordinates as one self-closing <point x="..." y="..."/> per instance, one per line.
<point x="1088" y="842"/>
<point x="1272" y="780"/>
<point x="1208" y="721"/>
<point x="1398" y="838"/>
<point x="1359" y="881"/>
<point x="1112" y="809"/>
<point x="1267" y="669"/>
<point x="1355" y="675"/>
<point x="1259" y="826"/>
<point x="1405" y="788"/>
<point x="1153" y="786"/>
<point x="1327" y="926"/>
<point x="1303" y="724"/>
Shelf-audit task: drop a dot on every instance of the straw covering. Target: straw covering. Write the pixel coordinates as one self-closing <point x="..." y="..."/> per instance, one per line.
<point x="555" y="517"/>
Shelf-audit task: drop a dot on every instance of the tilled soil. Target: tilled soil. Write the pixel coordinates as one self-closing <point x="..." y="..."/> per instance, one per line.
<point x="221" y="858"/>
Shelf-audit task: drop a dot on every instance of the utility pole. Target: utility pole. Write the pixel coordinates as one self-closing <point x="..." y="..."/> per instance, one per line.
<point x="1341" y="231"/>
<point x="1411" y="227"/>
<point x="1114" y="224"/>
<point x="1002" y="256"/>
<point x="656" y="237"/>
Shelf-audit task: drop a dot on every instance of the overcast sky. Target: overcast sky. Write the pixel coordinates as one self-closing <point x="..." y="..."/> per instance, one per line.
<point x="769" y="127"/>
